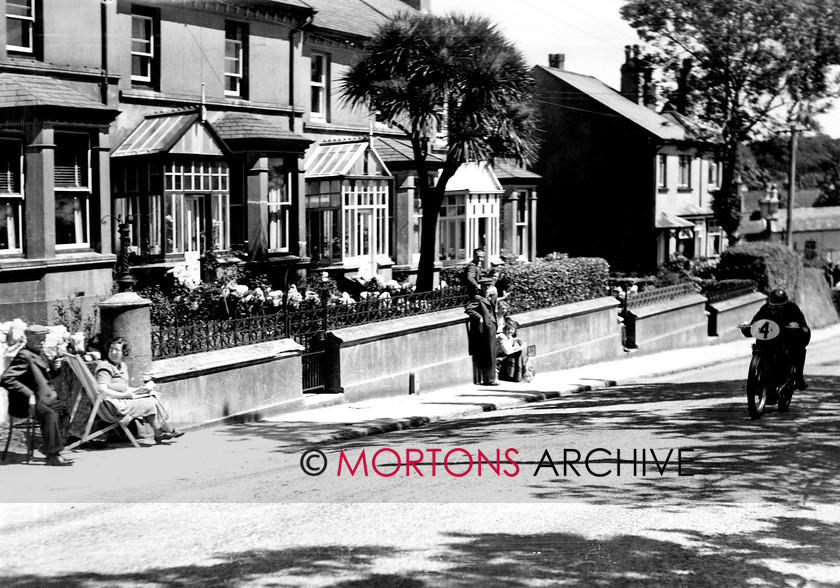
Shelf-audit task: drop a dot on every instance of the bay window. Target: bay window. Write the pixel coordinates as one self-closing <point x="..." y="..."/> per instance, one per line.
<point x="11" y="195"/>
<point x="72" y="190"/>
<point x="279" y="205"/>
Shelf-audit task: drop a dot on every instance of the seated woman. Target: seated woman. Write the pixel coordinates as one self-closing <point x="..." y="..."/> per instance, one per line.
<point x="513" y="359"/>
<point x="123" y="403"/>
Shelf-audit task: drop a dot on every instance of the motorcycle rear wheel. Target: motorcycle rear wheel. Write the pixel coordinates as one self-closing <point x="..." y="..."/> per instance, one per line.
<point x="758" y="383"/>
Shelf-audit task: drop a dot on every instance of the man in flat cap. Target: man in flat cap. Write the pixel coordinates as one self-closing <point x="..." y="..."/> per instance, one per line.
<point x="481" y="333"/>
<point x="28" y="378"/>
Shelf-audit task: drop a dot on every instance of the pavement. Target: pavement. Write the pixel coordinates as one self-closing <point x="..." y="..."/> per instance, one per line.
<point x="349" y="420"/>
<point x="326" y="418"/>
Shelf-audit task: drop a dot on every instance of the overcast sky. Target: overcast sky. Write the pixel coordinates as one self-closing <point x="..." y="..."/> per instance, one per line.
<point x="589" y="32"/>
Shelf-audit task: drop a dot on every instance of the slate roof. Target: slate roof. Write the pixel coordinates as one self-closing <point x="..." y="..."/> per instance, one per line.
<point x="667" y="220"/>
<point x="357" y="17"/>
<point x="822" y="218"/>
<point x="245" y="125"/>
<point x="649" y="120"/>
<point x="21" y="91"/>
<point x="507" y="170"/>
<point x="395" y="150"/>
<point x="693" y="210"/>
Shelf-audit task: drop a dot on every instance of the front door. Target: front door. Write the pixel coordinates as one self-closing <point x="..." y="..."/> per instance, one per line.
<point x="194" y="237"/>
<point x="366" y="239"/>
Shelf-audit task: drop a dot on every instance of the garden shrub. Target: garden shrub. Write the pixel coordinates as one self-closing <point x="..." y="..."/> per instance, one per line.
<point x="544" y="284"/>
<point x="771" y="265"/>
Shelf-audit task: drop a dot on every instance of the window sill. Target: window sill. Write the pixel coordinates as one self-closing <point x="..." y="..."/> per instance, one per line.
<point x="685" y="189"/>
<point x="662" y="189"/>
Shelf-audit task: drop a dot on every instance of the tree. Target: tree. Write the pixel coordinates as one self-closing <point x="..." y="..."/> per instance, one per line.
<point x="753" y="66"/>
<point x="421" y="72"/>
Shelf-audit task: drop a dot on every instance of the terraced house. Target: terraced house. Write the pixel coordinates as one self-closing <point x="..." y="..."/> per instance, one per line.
<point x="211" y="126"/>
<point x="622" y="181"/>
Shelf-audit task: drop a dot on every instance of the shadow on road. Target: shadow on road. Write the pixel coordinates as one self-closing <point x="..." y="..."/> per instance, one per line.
<point x="789" y="457"/>
<point x="675" y="557"/>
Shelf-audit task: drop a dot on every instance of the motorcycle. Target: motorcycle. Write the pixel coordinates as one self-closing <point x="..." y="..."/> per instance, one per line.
<point x="772" y="374"/>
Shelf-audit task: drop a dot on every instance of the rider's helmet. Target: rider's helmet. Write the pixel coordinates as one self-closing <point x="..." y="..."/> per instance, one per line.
<point x="778" y="297"/>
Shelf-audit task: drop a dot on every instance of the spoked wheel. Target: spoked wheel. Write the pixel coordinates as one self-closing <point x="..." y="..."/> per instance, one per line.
<point x="758" y="381"/>
<point x="786" y="393"/>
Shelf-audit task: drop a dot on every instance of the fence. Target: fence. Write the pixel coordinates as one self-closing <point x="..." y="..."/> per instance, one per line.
<point x="655" y="295"/>
<point x="730" y="291"/>
<point x="299" y="323"/>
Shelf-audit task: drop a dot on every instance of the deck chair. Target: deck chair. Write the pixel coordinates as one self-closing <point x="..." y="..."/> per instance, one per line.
<point x="90" y="389"/>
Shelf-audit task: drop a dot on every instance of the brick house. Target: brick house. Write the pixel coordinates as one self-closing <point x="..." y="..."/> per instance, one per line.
<point x="200" y="127"/>
<point x="620" y="180"/>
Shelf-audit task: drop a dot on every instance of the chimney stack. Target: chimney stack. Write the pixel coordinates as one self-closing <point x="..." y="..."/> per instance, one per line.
<point x="683" y="89"/>
<point x="557" y="61"/>
<point x="631" y="83"/>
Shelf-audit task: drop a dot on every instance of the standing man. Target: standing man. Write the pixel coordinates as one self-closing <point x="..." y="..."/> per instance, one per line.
<point x="472" y="273"/>
<point x="27" y="379"/>
<point x="481" y="330"/>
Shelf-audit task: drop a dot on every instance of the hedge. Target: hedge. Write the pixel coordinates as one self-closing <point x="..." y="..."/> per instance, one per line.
<point x="543" y="284"/>
<point x="771" y="265"/>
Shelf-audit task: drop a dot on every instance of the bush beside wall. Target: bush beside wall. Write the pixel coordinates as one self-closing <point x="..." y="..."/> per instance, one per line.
<point x="771" y="265"/>
<point x="553" y="283"/>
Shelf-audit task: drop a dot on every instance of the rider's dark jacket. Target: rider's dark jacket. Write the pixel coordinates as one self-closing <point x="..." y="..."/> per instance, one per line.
<point x="783" y="314"/>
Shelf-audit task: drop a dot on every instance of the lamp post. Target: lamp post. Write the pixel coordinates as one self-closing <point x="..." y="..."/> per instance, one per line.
<point x="125" y="281"/>
<point x="769" y="206"/>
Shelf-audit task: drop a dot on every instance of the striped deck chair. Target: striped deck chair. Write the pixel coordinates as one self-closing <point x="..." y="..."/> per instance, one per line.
<point x="91" y="390"/>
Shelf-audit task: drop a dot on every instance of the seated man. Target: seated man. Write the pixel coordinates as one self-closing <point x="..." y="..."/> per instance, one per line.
<point x="782" y="310"/>
<point x="28" y="378"/>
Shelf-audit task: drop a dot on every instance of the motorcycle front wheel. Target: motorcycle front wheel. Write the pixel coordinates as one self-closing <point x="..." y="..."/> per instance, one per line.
<point x="786" y="393"/>
<point x="758" y="383"/>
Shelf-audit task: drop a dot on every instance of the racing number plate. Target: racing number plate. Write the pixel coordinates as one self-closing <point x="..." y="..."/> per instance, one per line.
<point x="765" y="329"/>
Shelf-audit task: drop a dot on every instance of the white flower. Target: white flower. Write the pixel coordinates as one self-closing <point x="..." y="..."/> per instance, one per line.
<point x="443" y="285"/>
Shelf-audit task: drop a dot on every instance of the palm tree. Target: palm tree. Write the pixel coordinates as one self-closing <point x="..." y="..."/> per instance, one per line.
<point x="422" y="71"/>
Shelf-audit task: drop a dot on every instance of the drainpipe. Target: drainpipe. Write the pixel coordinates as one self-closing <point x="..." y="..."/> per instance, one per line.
<point x="300" y="28"/>
<point x="103" y="31"/>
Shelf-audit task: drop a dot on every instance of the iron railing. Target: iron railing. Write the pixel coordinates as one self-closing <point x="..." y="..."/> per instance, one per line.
<point x="297" y="323"/>
<point x="732" y="291"/>
<point x="655" y="295"/>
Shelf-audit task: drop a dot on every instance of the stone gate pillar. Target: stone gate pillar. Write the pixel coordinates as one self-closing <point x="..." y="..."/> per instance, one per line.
<point x="127" y="315"/>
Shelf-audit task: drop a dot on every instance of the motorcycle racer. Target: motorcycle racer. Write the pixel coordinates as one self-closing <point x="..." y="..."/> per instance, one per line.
<point x="783" y="311"/>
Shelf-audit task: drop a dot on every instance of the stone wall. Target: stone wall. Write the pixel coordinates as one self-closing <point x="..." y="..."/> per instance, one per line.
<point x="429" y="352"/>
<point x="670" y="324"/>
<point x="573" y="334"/>
<point x="724" y="316"/>
<point x="243" y="383"/>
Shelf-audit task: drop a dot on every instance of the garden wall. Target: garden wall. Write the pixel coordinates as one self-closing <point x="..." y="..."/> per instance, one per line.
<point x="429" y="352"/>
<point x="724" y="316"/>
<point x="247" y="382"/>
<point x="679" y="322"/>
<point x="573" y="334"/>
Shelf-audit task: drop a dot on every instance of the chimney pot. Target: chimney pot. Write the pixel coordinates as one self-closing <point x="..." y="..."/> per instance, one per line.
<point x="556" y="60"/>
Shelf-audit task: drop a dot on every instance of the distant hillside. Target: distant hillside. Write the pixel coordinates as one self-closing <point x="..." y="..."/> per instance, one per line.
<point x="817" y="169"/>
